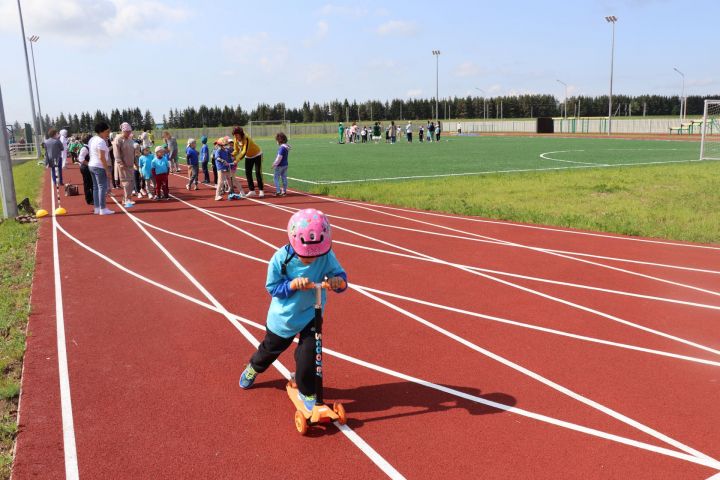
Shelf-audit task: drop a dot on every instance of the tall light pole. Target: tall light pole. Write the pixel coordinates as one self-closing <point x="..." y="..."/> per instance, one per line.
<point x="32" y="99"/>
<point x="34" y="39"/>
<point x="436" y="53"/>
<point x="683" y="107"/>
<point x="611" y="19"/>
<point x="565" y="103"/>
<point x="484" y="109"/>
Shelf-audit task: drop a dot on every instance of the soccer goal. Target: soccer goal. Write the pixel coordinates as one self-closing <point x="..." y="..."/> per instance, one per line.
<point x="267" y="128"/>
<point x="710" y="139"/>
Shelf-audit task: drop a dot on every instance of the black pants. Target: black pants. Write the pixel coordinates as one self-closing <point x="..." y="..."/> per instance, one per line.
<point x="87" y="183"/>
<point x="249" y="164"/>
<point x="215" y="174"/>
<point x="273" y="345"/>
<point x="206" y="172"/>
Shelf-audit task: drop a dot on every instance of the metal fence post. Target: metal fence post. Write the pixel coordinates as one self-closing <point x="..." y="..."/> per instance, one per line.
<point x="7" y="184"/>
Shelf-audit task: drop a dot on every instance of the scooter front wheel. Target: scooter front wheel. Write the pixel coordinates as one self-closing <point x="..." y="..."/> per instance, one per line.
<point x="301" y="422"/>
<point x="340" y="410"/>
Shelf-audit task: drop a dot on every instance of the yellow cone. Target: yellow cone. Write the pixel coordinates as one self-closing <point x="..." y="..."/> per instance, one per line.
<point x="41" y="213"/>
<point x="60" y="211"/>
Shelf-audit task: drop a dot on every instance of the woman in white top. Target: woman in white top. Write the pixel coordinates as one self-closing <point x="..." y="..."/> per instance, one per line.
<point x="99" y="157"/>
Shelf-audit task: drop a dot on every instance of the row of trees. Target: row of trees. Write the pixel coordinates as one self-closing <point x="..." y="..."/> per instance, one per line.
<point x="519" y="106"/>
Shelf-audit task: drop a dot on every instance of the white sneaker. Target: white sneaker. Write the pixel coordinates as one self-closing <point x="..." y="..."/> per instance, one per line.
<point x="261" y="194"/>
<point x="218" y="197"/>
<point x="106" y="211"/>
<point x="96" y="211"/>
<point x="251" y="193"/>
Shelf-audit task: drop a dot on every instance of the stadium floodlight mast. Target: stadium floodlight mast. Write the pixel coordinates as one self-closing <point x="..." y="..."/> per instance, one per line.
<point x="484" y="108"/>
<point x="683" y="101"/>
<point x="34" y="39"/>
<point x="611" y="19"/>
<point x="436" y="53"/>
<point x="32" y="99"/>
<point x="565" y="103"/>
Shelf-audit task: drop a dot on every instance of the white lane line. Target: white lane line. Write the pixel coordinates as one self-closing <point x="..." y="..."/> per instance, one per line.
<point x="618" y="416"/>
<point x="418" y="381"/>
<point x="490" y="277"/>
<point x="457" y="310"/>
<point x="69" y="446"/>
<point x="541" y="250"/>
<point x="375" y="457"/>
<point x="522" y="225"/>
<point x="544" y="156"/>
<point x="715" y="477"/>
<point x="555" y="386"/>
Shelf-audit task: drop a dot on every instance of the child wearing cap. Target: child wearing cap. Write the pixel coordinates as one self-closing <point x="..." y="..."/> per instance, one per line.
<point x="160" y="168"/>
<point x="292" y="273"/>
<point x="204" y="158"/>
<point x="280" y="165"/>
<point x="191" y="156"/>
<point x="145" y="167"/>
<point x="223" y="163"/>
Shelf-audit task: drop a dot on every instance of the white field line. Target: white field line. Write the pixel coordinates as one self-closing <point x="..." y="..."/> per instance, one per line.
<point x="591" y="403"/>
<point x="442" y="388"/>
<point x="555" y="386"/>
<point x="498" y="272"/>
<point x="487" y="276"/>
<point x="544" y="156"/>
<point x="523" y="225"/>
<point x="457" y="310"/>
<point x="715" y="477"/>
<point x="541" y="250"/>
<point x="69" y="446"/>
<point x="376" y="458"/>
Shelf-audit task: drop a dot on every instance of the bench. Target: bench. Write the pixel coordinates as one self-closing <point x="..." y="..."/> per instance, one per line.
<point x="684" y="127"/>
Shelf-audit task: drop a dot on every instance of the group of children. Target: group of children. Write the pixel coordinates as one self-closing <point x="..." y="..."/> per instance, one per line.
<point x="355" y="134"/>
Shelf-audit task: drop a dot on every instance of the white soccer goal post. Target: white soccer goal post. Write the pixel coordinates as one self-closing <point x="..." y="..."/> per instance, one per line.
<point x="710" y="139"/>
<point x="266" y="128"/>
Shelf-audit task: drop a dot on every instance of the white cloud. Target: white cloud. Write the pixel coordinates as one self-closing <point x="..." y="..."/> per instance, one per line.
<point x="397" y="28"/>
<point x="257" y="50"/>
<point x="331" y="10"/>
<point x="82" y="21"/>
<point x="320" y="33"/>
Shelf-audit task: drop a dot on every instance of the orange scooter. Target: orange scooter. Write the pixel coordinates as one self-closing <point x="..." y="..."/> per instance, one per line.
<point x="321" y="413"/>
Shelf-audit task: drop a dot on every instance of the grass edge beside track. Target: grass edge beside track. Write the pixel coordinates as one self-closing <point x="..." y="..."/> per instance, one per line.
<point x="675" y="202"/>
<point x="17" y="264"/>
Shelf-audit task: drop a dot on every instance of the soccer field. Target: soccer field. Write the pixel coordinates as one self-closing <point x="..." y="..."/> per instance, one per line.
<point x="322" y="160"/>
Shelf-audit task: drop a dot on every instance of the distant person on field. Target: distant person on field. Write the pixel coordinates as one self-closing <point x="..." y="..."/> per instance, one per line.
<point x="393" y="132"/>
<point x="204" y="159"/>
<point x="53" y="155"/>
<point x="459" y="128"/>
<point x="437" y="132"/>
<point x="245" y="147"/>
<point x="291" y="275"/>
<point x="84" y="160"/>
<point x="172" y="151"/>
<point x="430" y="131"/>
<point x="280" y="165"/>
<point x="160" y="168"/>
<point x="364" y="134"/>
<point x="408" y="132"/>
<point x="193" y="161"/>
<point x="99" y="166"/>
<point x="421" y="133"/>
<point x="376" y="132"/>
<point x="341" y="133"/>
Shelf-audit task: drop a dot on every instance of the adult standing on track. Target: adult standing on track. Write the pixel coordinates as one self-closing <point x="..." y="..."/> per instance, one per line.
<point x="245" y="147"/>
<point x="172" y="151"/>
<point x="84" y="160"/>
<point x="53" y="155"/>
<point x="98" y="164"/>
<point x="64" y="141"/>
<point x="124" y="150"/>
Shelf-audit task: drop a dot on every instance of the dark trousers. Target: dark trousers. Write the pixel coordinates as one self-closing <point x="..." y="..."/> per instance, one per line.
<point x="57" y="180"/>
<point x="139" y="181"/>
<point x="249" y="164"/>
<point x="193" y="174"/>
<point x="206" y="172"/>
<point x="215" y="174"/>
<point x="273" y="345"/>
<point x="87" y="183"/>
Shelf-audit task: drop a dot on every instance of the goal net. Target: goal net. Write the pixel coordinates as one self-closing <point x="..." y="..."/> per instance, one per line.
<point x="710" y="139"/>
<point x="267" y="128"/>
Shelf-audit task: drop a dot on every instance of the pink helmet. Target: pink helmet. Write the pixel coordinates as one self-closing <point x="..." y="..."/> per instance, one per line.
<point x="309" y="233"/>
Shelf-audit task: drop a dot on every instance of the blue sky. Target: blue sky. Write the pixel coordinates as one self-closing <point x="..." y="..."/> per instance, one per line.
<point x="162" y="54"/>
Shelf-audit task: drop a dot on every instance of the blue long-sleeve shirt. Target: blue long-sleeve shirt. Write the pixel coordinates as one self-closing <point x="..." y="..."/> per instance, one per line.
<point x="291" y="310"/>
<point x="161" y="165"/>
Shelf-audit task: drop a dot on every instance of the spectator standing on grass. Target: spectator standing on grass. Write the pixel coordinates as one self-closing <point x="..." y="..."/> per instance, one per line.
<point x="204" y="159"/>
<point x="53" y="155"/>
<point x="145" y="139"/>
<point x="430" y="131"/>
<point x="192" y="157"/>
<point x="84" y="160"/>
<point x="98" y="166"/>
<point x="280" y="165"/>
<point x="437" y="132"/>
<point x="341" y="133"/>
<point x="172" y="151"/>
<point x="245" y="147"/>
<point x="376" y="132"/>
<point x="408" y="132"/>
<point x="421" y="133"/>
<point x="160" y="168"/>
<point x="364" y="134"/>
<point x="393" y="132"/>
<point x="124" y="151"/>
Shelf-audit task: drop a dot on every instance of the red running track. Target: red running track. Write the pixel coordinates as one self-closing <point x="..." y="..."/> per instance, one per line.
<point x="465" y="349"/>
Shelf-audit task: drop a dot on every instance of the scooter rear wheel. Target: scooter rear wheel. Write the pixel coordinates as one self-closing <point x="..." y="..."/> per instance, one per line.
<point x="301" y="422"/>
<point x="340" y="410"/>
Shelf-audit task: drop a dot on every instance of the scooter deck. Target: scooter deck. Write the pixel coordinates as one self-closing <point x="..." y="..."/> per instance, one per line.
<point x="319" y="414"/>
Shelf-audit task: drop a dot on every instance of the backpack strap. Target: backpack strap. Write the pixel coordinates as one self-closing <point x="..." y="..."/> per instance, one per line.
<point x="289" y="255"/>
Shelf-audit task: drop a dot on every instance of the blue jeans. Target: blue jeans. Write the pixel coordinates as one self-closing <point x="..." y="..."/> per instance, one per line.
<point x="280" y="174"/>
<point x="100" y="184"/>
<point x="59" y="174"/>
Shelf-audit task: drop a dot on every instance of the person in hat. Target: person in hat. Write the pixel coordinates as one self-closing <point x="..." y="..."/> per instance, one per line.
<point x="124" y="152"/>
<point x="160" y="168"/>
<point x="204" y="159"/>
